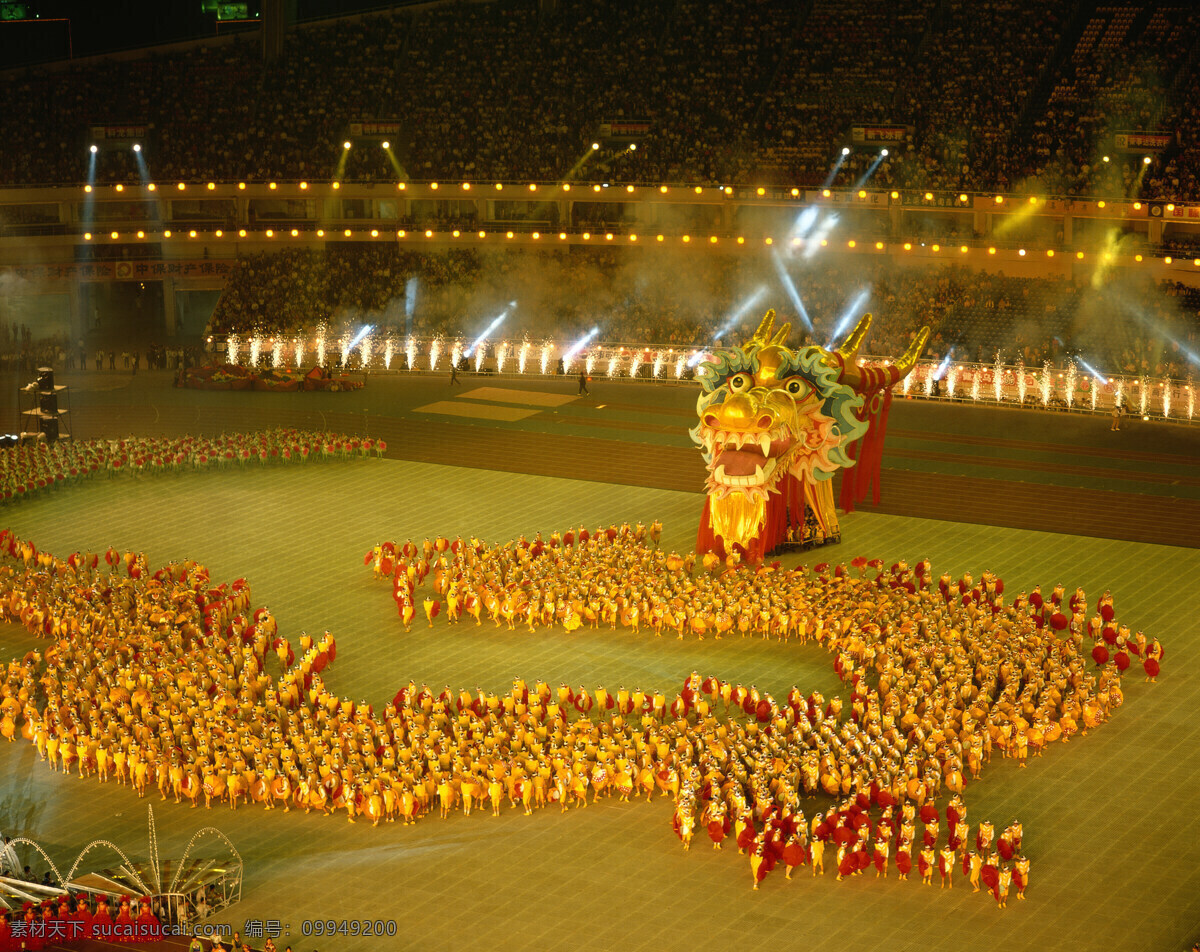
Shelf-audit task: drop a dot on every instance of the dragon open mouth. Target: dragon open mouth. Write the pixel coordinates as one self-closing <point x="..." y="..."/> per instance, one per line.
<point x="745" y="461"/>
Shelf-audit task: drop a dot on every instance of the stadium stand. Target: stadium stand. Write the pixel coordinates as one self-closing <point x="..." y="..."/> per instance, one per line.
<point x="728" y="92"/>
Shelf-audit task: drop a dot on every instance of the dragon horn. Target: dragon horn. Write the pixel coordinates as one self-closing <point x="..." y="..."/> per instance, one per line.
<point x="871" y="379"/>
<point x="848" y="349"/>
<point x="763" y="334"/>
<point x="781" y="334"/>
<point x="906" y="363"/>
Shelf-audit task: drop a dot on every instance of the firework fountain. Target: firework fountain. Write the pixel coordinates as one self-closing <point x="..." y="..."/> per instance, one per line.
<point x="231" y="349"/>
<point x="998" y="378"/>
<point x="1069" y="387"/>
<point x="1046" y="383"/>
<point x="1022" y="384"/>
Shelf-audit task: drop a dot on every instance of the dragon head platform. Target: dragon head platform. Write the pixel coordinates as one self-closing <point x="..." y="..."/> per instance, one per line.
<point x="775" y="424"/>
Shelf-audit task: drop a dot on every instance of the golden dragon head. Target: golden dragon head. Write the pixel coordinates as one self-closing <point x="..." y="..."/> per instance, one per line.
<point x="767" y="411"/>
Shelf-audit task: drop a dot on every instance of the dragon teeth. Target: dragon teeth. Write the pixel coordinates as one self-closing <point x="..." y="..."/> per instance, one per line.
<point x="714" y="440"/>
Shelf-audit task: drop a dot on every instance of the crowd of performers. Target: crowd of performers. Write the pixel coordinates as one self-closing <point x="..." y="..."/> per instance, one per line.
<point x="775" y="835"/>
<point x="60" y="921"/>
<point x="620" y="575"/>
<point x="957" y="674"/>
<point x="159" y="679"/>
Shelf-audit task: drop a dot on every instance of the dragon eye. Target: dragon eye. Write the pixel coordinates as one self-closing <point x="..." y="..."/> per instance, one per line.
<point x="739" y="382"/>
<point x="795" y="386"/>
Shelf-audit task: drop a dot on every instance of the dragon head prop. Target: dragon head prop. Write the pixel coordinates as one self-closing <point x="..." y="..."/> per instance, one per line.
<point x="773" y="419"/>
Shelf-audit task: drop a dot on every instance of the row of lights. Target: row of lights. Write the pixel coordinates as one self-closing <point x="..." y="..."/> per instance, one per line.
<point x="963" y="197"/>
<point x="663" y="189"/>
<point x="374" y="233"/>
<point x="466" y="187"/>
<point x="609" y="236"/>
<point x="728" y="190"/>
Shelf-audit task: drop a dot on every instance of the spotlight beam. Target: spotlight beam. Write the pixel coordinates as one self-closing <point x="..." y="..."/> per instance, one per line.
<point x="790" y="286"/>
<point x="343" y="155"/>
<point x="848" y="314"/>
<point x="1134" y="311"/>
<point x="741" y="311"/>
<point x="410" y="296"/>
<point x="143" y="169"/>
<point x="736" y="315"/>
<point x="580" y="344"/>
<point x="805" y="221"/>
<point x="943" y="366"/>
<point x="1092" y="370"/>
<point x="359" y="337"/>
<point x="581" y="162"/>
<point x="875" y="163"/>
<point x="90" y="194"/>
<point x="496" y="322"/>
<point x="836" y="168"/>
<point x="822" y="232"/>
<point x="401" y="174"/>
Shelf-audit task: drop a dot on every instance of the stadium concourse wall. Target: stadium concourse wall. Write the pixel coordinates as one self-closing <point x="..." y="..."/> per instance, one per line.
<point x="69" y="299"/>
<point x="176" y="243"/>
<point x="753" y="212"/>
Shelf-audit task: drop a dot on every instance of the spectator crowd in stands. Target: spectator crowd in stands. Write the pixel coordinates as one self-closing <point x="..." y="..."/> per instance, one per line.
<point x="690" y="300"/>
<point x="731" y="91"/>
<point x="999" y="94"/>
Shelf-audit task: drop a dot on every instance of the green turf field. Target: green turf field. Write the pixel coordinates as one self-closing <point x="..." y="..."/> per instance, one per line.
<point x="1109" y="818"/>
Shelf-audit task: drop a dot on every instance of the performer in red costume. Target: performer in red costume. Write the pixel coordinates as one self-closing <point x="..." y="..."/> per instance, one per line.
<point x="1154" y="655"/>
<point x="904" y="858"/>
